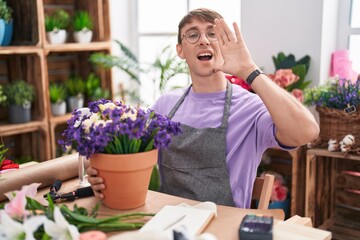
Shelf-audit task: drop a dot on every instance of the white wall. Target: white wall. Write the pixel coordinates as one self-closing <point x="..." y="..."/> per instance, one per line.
<point x="300" y="27"/>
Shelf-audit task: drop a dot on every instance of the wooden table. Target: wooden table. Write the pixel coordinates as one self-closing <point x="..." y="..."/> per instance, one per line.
<point x="224" y="226"/>
<point x="326" y="198"/>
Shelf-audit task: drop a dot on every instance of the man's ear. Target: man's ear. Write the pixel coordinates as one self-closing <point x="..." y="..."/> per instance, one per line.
<point x="179" y="51"/>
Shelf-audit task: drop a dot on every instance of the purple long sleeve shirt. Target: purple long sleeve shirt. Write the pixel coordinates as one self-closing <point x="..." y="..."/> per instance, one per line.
<point x="250" y="131"/>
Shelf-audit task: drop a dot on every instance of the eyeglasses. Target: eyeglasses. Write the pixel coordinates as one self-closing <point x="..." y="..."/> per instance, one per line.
<point x="193" y="36"/>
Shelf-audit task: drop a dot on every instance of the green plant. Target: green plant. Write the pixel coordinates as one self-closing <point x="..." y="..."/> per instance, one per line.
<point x="335" y="93"/>
<point x="299" y="68"/>
<point x="2" y="95"/>
<point x="82" y="21"/>
<point x="167" y="66"/>
<point x="59" y="19"/>
<point x="33" y="220"/>
<point x="3" y="150"/>
<point x="94" y="90"/>
<point x="19" y="92"/>
<point x="5" y="11"/>
<point x="126" y="62"/>
<point x="75" y="86"/>
<point x="57" y="92"/>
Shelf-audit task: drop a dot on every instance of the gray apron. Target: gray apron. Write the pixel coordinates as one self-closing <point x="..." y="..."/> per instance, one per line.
<point x="194" y="165"/>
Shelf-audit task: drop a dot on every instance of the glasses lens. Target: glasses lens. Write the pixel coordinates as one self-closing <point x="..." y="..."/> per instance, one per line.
<point x="211" y="35"/>
<point x="192" y="36"/>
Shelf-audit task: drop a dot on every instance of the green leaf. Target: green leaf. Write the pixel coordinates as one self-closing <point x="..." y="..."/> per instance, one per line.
<point x="155" y="179"/>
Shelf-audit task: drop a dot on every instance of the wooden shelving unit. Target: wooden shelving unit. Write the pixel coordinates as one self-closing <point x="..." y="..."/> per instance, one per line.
<point x="332" y="199"/>
<point x="31" y="58"/>
<point x="291" y="165"/>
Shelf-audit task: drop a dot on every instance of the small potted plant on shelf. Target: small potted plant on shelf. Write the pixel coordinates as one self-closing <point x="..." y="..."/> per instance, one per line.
<point x="6" y="24"/>
<point x="19" y="95"/>
<point x="94" y="90"/>
<point x="83" y="25"/>
<point x="55" y="26"/>
<point x="57" y="93"/>
<point x="75" y="88"/>
<point x="2" y="95"/>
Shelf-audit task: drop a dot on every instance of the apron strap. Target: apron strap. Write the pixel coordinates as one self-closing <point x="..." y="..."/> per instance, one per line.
<point x="179" y="102"/>
<point x="224" y="122"/>
<point x="226" y="112"/>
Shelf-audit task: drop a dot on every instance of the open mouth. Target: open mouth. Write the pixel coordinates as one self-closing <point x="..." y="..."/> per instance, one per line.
<point x="205" y="56"/>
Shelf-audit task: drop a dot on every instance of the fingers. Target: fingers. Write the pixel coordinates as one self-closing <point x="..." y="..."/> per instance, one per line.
<point x="97" y="183"/>
<point x="223" y="31"/>
<point x="237" y="32"/>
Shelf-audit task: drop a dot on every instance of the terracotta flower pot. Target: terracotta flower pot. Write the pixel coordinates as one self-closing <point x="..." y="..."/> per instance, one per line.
<point x="126" y="177"/>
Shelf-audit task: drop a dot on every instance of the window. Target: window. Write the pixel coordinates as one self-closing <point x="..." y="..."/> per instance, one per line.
<point x="349" y="30"/>
<point x="354" y="38"/>
<point x="157" y="28"/>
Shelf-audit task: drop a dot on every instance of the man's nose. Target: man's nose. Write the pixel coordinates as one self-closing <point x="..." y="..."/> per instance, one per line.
<point x="203" y="39"/>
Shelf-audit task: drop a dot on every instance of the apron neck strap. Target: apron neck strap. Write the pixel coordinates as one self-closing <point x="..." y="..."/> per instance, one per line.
<point x="224" y="121"/>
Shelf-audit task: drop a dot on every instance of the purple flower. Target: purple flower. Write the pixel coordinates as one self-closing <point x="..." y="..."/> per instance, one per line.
<point x="112" y="127"/>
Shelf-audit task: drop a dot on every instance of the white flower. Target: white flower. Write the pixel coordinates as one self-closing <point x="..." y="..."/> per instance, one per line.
<point x="83" y="113"/>
<point x="100" y="122"/>
<point x="60" y="229"/>
<point x="130" y="113"/>
<point x="108" y="105"/>
<point x="12" y="229"/>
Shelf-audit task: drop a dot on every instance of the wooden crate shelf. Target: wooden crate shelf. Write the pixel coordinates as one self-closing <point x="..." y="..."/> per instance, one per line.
<point x="32" y="58"/>
<point x="28" y="22"/>
<point x="98" y="10"/>
<point x="32" y="145"/>
<point x="291" y="165"/>
<point x="27" y="67"/>
<point x="332" y="192"/>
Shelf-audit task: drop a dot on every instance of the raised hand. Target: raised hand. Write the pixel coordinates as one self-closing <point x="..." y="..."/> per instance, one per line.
<point x="237" y="59"/>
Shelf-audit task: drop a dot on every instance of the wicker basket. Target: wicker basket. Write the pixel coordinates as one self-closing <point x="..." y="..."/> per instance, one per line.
<point x="336" y="124"/>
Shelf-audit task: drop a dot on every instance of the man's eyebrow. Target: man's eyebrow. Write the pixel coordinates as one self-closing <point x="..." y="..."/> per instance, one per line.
<point x="197" y="29"/>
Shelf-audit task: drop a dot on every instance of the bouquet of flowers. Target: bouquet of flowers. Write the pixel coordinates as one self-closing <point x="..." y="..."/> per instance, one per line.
<point x="23" y="217"/>
<point x="115" y="128"/>
<point x="336" y="93"/>
<point x="290" y="74"/>
<point x="338" y="105"/>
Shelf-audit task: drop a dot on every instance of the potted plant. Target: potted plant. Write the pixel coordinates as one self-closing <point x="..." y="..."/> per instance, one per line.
<point x="75" y="88"/>
<point x="127" y="62"/>
<point x="57" y="94"/>
<point x="3" y="150"/>
<point x="83" y="25"/>
<point x="338" y="104"/>
<point x="122" y="142"/>
<point x="6" y="23"/>
<point x="19" y="95"/>
<point x="94" y="90"/>
<point x="55" y="26"/>
<point x="2" y="95"/>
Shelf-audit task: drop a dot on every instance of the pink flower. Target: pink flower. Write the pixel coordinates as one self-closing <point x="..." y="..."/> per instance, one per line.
<point x="284" y="77"/>
<point x="279" y="192"/>
<point x="16" y="207"/>
<point x="298" y="94"/>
